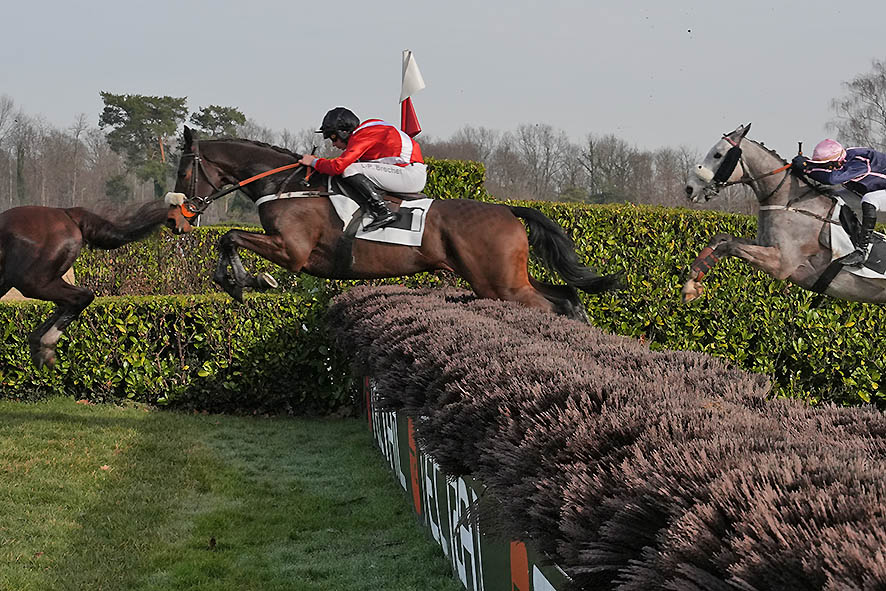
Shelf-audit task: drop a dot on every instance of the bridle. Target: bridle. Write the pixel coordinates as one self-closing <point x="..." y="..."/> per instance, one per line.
<point x="195" y="205"/>
<point x="719" y="181"/>
<point x="734" y="157"/>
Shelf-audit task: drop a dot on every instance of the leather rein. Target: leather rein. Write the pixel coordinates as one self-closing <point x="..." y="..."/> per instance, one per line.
<point x="753" y="180"/>
<point x="196" y="205"/>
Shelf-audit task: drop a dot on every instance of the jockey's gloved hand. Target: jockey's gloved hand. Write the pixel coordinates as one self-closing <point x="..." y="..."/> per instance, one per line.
<point x="798" y="165"/>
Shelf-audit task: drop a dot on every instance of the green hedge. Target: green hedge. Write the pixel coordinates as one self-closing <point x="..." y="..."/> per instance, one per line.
<point x="829" y="352"/>
<point x="269" y="354"/>
<point x="455" y="179"/>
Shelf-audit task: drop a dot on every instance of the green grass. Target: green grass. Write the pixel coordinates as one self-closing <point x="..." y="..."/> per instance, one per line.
<point x="104" y="497"/>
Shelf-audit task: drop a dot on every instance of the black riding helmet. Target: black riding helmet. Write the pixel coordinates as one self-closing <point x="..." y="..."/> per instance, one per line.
<point x="340" y="122"/>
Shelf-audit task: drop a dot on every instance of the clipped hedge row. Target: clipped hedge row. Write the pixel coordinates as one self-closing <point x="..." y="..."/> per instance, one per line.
<point x="818" y="353"/>
<point x="631" y="468"/>
<point x="197" y="351"/>
<point x="270" y="354"/>
<point x="824" y="352"/>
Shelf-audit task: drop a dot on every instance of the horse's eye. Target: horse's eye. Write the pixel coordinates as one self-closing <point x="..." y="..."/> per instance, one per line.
<point x="718" y="155"/>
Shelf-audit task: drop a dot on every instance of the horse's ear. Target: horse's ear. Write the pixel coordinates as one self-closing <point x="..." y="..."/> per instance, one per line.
<point x="189" y="138"/>
<point x="746" y="129"/>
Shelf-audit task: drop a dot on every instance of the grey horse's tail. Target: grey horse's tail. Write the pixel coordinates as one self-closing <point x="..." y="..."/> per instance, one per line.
<point x="557" y="251"/>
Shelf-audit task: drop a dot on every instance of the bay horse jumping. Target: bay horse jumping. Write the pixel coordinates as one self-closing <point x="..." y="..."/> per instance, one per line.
<point x="799" y="236"/>
<point x="39" y="244"/>
<point x="484" y="243"/>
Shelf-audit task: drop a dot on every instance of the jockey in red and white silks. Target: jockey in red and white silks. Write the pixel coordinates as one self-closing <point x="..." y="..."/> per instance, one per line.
<point x="386" y="155"/>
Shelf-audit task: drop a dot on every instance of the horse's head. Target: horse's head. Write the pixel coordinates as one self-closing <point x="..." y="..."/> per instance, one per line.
<point x="721" y="165"/>
<point x="196" y="178"/>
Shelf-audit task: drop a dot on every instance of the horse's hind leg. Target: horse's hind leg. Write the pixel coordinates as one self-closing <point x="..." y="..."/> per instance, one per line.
<point x="497" y="284"/>
<point x="70" y="301"/>
<point x="564" y="298"/>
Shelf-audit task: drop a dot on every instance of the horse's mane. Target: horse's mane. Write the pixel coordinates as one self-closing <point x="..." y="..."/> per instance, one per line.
<point x="256" y="143"/>
<point x="769" y="150"/>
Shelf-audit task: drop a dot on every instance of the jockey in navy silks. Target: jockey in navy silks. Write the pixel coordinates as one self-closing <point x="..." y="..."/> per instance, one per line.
<point x="376" y="154"/>
<point x="861" y="170"/>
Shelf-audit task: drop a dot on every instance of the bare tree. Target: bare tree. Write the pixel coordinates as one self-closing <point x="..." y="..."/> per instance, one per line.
<point x="543" y="151"/>
<point x="607" y="161"/>
<point x="861" y="114"/>
<point x="483" y="141"/>
<point x="76" y="131"/>
<point x="253" y="131"/>
<point x="7" y="116"/>
<point x="306" y="140"/>
<point x="477" y="144"/>
<point x="670" y="177"/>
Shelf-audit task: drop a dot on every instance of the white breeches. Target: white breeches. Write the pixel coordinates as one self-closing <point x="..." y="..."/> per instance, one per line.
<point x="876" y="198"/>
<point x="390" y="177"/>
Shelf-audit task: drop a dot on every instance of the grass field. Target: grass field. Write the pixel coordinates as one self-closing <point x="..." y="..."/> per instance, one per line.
<point x="102" y="497"/>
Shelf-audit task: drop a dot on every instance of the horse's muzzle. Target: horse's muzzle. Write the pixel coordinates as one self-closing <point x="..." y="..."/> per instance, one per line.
<point x="697" y="193"/>
<point x="178" y="223"/>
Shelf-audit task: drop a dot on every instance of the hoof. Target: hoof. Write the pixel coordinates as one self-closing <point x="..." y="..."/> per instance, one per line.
<point x="236" y="292"/>
<point x="229" y="287"/>
<point x="691" y="290"/>
<point x="44" y="358"/>
<point x="264" y="282"/>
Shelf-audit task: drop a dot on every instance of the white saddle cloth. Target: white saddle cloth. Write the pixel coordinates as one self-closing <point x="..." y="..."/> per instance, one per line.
<point x="841" y="245"/>
<point x="408" y="230"/>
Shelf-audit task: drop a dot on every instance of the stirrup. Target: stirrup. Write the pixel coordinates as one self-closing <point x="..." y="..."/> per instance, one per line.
<point x="855" y="258"/>
<point x="381" y="221"/>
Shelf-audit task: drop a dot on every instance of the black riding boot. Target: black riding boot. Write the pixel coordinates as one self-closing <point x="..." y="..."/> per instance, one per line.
<point x="868" y="220"/>
<point x="367" y="195"/>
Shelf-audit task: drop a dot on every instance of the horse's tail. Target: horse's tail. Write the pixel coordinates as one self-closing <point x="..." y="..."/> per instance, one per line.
<point x="105" y="233"/>
<point x="557" y="251"/>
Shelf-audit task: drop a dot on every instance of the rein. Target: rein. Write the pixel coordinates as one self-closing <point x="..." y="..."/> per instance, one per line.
<point x="749" y="181"/>
<point x="753" y="180"/>
<point x="787" y="207"/>
<point x="196" y="205"/>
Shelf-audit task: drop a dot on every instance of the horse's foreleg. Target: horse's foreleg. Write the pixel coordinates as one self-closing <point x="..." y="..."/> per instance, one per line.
<point x="270" y="247"/>
<point x="766" y="258"/>
<point x="709" y="256"/>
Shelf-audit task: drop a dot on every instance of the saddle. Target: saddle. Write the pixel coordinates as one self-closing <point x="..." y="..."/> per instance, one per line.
<point x="844" y="238"/>
<point x="340" y="188"/>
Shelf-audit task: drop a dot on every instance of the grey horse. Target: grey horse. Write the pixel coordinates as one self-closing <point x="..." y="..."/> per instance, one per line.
<point x="798" y="236"/>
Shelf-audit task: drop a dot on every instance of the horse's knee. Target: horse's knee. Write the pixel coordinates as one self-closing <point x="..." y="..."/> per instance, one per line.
<point x="226" y="242"/>
<point x="83" y="299"/>
<point x="719" y="241"/>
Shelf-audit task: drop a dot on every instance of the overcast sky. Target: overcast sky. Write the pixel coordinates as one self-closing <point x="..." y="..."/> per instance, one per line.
<point x="654" y="73"/>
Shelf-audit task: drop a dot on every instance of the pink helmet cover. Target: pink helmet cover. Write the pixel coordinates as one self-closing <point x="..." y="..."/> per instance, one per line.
<point x="828" y="151"/>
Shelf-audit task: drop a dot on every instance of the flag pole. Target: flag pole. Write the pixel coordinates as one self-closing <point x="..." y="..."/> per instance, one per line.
<point x="411" y="82"/>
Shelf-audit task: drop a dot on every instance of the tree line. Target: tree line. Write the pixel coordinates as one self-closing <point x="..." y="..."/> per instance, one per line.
<point x="538" y="162"/>
<point x="132" y="151"/>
